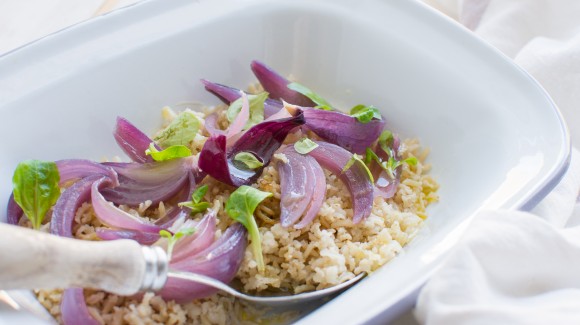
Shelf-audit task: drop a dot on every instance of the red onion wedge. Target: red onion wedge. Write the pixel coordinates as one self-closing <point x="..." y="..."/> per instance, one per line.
<point x="229" y="94"/>
<point x="211" y="125"/>
<point x="277" y="86"/>
<point x="177" y="213"/>
<point x="13" y="211"/>
<point x="132" y="141"/>
<point x="302" y="186"/>
<point x="174" y="214"/>
<point x="343" y="130"/>
<point x="74" y="169"/>
<point x="200" y="240"/>
<point x="221" y="260"/>
<point x="133" y="193"/>
<point x="69" y="202"/>
<point x="156" y="172"/>
<point x="143" y="238"/>
<point x="115" y="217"/>
<point x="73" y="308"/>
<point x="262" y="140"/>
<point x="241" y="119"/>
<point x="171" y="216"/>
<point x="155" y="181"/>
<point x="334" y="158"/>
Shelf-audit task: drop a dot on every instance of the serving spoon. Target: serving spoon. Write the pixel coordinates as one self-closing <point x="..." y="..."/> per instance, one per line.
<point x="32" y="259"/>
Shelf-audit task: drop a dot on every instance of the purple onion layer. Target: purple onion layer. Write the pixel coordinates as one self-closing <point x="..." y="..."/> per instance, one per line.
<point x="74" y="310"/>
<point x="302" y="186"/>
<point x="221" y="260"/>
<point x="13" y="211"/>
<point x="143" y="238"/>
<point x="115" y="217"/>
<point x="132" y="141"/>
<point x="74" y="169"/>
<point x="229" y="94"/>
<point x="343" y="130"/>
<point x="69" y="202"/>
<point x="356" y="179"/>
<point x="262" y="140"/>
<point x="200" y="240"/>
<point x="277" y="86"/>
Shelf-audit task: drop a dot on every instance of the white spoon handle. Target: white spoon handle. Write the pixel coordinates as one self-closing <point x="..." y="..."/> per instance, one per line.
<point x="32" y="260"/>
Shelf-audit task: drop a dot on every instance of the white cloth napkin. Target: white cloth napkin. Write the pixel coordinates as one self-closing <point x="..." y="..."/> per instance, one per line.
<point x="516" y="267"/>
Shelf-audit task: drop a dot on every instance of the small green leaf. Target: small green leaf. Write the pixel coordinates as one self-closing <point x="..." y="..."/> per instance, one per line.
<point x="411" y="161"/>
<point x="354" y="159"/>
<point x="248" y="159"/>
<point x="187" y="231"/>
<point x="180" y="131"/>
<point x="256" y="109"/>
<point x="386" y="141"/>
<point x="195" y="204"/>
<point x="165" y="234"/>
<point x="195" y="207"/>
<point x="304" y="146"/>
<point x="370" y="156"/>
<point x="390" y="165"/>
<point x="349" y="163"/>
<point x="240" y="207"/>
<point x="35" y="185"/>
<point x="365" y="114"/>
<point x="199" y="193"/>
<point x="172" y="152"/>
<point x="320" y="102"/>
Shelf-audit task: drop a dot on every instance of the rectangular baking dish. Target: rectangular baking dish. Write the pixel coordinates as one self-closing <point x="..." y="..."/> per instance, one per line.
<point x="496" y="138"/>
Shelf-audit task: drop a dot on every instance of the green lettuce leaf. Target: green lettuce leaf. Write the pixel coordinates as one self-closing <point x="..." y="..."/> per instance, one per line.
<point x="320" y="102"/>
<point x="256" y="109"/>
<point x="36" y="190"/>
<point x="240" y="207"/>
<point x="304" y="146"/>
<point x="172" y="152"/>
<point x="180" y="131"/>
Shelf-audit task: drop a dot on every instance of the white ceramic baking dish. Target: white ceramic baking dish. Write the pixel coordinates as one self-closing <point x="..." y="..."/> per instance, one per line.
<point x="496" y="138"/>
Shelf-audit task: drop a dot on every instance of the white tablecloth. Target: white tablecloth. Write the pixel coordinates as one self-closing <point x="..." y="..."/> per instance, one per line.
<point x="515" y="267"/>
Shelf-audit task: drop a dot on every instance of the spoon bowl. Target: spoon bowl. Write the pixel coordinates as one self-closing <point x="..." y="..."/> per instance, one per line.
<point x="270" y="301"/>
